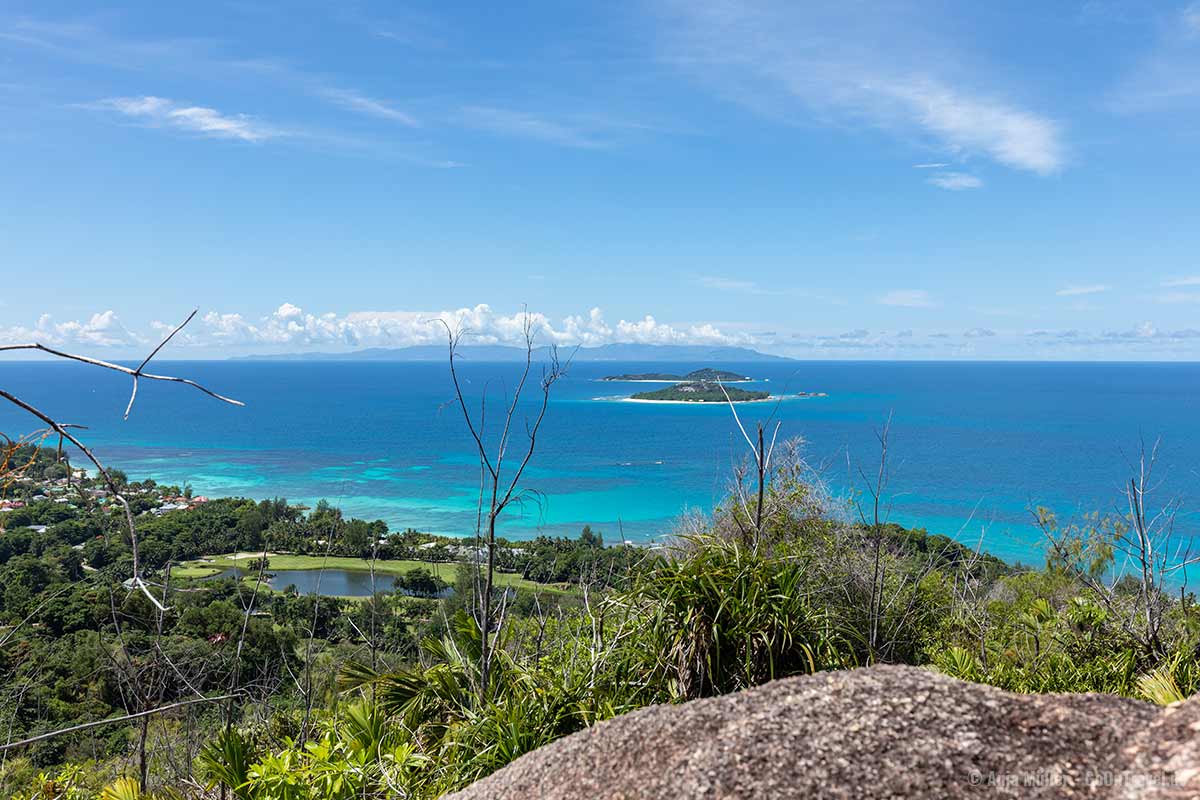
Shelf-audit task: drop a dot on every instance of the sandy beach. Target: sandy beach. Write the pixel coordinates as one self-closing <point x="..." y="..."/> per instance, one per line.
<point x="697" y="402"/>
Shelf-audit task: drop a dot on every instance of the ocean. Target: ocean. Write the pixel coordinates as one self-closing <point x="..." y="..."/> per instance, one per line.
<point x="973" y="445"/>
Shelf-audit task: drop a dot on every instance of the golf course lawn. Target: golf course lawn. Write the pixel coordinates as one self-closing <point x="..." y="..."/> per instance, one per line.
<point x="212" y="565"/>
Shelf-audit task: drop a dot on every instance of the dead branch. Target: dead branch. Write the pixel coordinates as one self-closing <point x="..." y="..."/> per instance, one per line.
<point x="111" y="720"/>
<point x="498" y="490"/>
<point x="134" y="373"/>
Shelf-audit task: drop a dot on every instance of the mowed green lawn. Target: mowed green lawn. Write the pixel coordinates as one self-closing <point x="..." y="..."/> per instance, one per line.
<point x="212" y="565"/>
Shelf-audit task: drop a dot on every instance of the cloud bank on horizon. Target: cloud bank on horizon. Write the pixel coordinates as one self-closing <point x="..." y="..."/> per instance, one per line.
<point x="290" y="329"/>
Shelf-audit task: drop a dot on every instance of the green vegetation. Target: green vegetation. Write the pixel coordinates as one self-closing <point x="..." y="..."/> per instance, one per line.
<point x="420" y="582"/>
<point x="706" y="374"/>
<point x="75" y="643"/>
<point x="334" y="700"/>
<point x="702" y="392"/>
<point x="212" y="565"/>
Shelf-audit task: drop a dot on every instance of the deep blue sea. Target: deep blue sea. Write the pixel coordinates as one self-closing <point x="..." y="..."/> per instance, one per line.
<point x="974" y="445"/>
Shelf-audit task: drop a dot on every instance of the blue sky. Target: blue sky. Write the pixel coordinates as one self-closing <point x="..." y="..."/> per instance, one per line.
<point x="900" y="180"/>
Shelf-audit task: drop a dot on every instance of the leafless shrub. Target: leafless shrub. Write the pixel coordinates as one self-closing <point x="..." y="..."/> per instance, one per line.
<point x="1138" y="544"/>
<point x="498" y="488"/>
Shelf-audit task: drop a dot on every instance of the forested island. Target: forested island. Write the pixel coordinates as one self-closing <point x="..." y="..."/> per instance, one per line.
<point x="701" y="392"/>
<point x="707" y="374"/>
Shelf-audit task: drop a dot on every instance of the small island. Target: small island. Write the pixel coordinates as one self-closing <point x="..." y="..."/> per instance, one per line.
<point x="706" y="375"/>
<point x="700" y="392"/>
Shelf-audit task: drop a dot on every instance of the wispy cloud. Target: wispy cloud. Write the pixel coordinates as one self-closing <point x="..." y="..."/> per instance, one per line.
<point x="1168" y="73"/>
<point x="587" y="131"/>
<point x="907" y="298"/>
<point x="744" y="286"/>
<point x="85" y="42"/>
<point x="1007" y="134"/>
<point x="1076" y="291"/>
<point x="730" y="284"/>
<point x="356" y="101"/>
<point x="861" y="340"/>
<point x="1042" y="333"/>
<point x="954" y="181"/>
<point x="1143" y="337"/>
<point x="1147" y="331"/>
<point x="187" y="58"/>
<point x="1177" y="298"/>
<point x="932" y="165"/>
<point x="842" y="66"/>
<point x="1190" y="280"/>
<point x="1190" y="17"/>
<point x="194" y="119"/>
<point x="527" y="126"/>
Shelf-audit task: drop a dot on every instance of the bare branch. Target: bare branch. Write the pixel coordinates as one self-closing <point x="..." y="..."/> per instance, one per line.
<point x="134" y="373"/>
<point x="88" y="725"/>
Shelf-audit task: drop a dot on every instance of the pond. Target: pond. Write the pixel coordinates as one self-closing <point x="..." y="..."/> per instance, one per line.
<point x="328" y="582"/>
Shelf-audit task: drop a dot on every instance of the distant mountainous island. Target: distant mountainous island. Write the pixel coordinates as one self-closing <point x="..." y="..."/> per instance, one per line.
<point x="707" y="374"/>
<point x="665" y="353"/>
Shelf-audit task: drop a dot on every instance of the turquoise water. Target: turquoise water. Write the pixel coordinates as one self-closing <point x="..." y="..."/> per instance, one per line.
<point x="973" y="444"/>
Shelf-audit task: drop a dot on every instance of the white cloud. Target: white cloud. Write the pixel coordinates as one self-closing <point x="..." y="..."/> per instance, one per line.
<point x="292" y="326"/>
<point x="1007" y="134"/>
<point x="1076" y="291"/>
<point x="840" y="66"/>
<point x="907" y="298"/>
<point x="101" y="330"/>
<point x="289" y="328"/>
<point x="933" y="165"/>
<point x="954" y="181"/>
<point x="355" y="101"/>
<point x="195" y="119"/>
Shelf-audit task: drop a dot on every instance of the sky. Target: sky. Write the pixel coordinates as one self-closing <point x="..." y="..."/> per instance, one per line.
<point x="851" y="180"/>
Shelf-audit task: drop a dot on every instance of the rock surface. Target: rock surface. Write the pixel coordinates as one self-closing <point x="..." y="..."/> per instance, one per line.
<point x="883" y="731"/>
